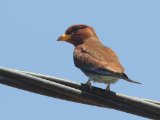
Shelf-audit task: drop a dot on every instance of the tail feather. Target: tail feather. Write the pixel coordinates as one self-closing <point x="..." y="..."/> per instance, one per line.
<point x="125" y="77"/>
<point x="129" y="80"/>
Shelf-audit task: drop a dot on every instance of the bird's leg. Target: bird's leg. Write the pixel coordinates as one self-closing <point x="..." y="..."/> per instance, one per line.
<point x="89" y="83"/>
<point x="107" y="88"/>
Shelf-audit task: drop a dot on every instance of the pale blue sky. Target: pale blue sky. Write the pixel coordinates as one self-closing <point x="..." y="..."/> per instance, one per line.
<point x="28" y="33"/>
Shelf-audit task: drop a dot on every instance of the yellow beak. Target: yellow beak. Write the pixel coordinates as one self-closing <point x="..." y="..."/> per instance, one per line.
<point x="64" y="37"/>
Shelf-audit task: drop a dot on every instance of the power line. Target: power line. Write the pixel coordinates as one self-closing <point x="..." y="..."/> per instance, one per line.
<point x="76" y="92"/>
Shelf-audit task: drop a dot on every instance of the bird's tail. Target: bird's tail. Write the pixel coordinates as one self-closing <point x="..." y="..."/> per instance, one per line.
<point x="125" y="77"/>
<point x="129" y="80"/>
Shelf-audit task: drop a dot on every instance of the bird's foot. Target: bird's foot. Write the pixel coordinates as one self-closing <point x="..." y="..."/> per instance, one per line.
<point x="88" y="83"/>
<point x="107" y="89"/>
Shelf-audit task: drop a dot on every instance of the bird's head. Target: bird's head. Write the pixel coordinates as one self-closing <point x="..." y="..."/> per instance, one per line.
<point x="77" y="34"/>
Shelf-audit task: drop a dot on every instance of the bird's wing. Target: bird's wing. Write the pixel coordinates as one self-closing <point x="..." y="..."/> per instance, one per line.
<point x="111" y="60"/>
<point x="98" y="58"/>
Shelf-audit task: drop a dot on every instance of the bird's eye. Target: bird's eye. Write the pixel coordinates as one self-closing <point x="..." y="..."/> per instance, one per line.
<point x="76" y="29"/>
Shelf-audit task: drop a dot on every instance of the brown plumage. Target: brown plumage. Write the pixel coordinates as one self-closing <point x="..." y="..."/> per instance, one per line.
<point x="97" y="61"/>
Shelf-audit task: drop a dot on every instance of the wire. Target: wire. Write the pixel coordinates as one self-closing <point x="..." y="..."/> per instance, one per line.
<point x="76" y="92"/>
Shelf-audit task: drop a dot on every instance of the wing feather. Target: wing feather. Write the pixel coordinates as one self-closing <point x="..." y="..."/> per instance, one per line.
<point x="97" y="57"/>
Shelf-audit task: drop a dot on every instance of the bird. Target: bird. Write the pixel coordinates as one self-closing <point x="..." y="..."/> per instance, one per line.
<point x="98" y="62"/>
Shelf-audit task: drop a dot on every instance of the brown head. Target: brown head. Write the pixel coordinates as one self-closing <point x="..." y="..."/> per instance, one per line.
<point x="77" y="34"/>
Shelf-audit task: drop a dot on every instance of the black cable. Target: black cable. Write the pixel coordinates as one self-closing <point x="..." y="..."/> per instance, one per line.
<point x="67" y="90"/>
